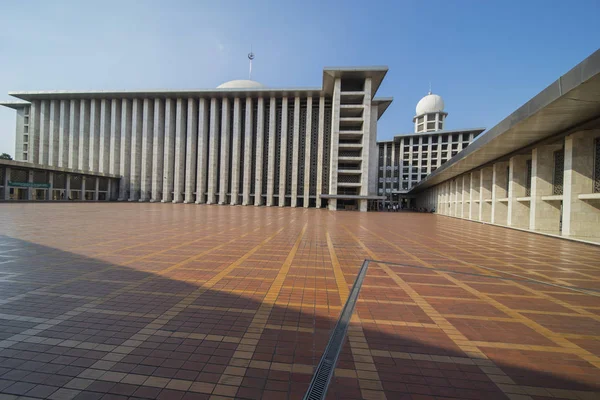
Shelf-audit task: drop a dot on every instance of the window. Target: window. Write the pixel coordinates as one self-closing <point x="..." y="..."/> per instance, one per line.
<point x="26" y="138"/>
<point x="528" y="183"/>
<point x="559" y="169"/>
<point x="431" y="125"/>
<point x="420" y="120"/>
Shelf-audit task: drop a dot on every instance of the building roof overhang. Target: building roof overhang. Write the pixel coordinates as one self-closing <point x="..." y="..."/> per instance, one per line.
<point x="570" y="101"/>
<point x="376" y="73"/>
<point x="382" y="104"/>
<point x="17" y="105"/>
<point x="43" y="167"/>
<point x="448" y="132"/>
<point x="165" y="93"/>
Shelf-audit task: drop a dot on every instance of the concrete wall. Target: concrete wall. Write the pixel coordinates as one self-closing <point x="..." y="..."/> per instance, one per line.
<point x="533" y="200"/>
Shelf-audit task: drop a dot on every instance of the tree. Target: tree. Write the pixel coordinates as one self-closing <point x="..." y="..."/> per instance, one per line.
<point x="5" y="156"/>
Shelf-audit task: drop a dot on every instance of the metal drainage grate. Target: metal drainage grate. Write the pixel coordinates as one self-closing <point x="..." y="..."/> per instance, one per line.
<point x="324" y="372"/>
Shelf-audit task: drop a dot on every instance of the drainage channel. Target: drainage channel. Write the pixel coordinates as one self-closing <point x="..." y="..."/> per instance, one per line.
<point x="321" y="379"/>
<point x="324" y="372"/>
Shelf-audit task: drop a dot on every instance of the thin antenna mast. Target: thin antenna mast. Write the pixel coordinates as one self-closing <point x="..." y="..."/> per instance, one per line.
<point x="429" y="87"/>
<point x="250" y="57"/>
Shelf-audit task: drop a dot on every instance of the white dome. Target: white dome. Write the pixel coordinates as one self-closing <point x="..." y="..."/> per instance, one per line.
<point x="241" y="84"/>
<point x="432" y="103"/>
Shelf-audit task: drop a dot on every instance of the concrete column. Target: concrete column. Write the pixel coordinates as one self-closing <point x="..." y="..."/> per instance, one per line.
<point x="544" y="215"/>
<point x="518" y="211"/>
<point x="335" y="133"/>
<point x="53" y="140"/>
<point x="202" y="163"/>
<point x="67" y="186"/>
<point x="84" y="135"/>
<point x="248" y="135"/>
<point x="283" y="152"/>
<point x="114" y="159"/>
<point x="471" y="197"/>
<point x="213" y="156"/>
<point x="44" y="132"/>
<point x="147" y="150"/>
<point x="224" y="154"/>
<point x="463" y="196"/>
<point x="94" y="161"/>
<point x="307" y="152"/>
<point x="295" y="149"/>
<point x="73" y="148"/>
<point x="475" y="198"/>
<point x="236" y="150"/>
<point x="190" y="150"/>
<point x="499" y="193"/>
<point x="158" y="149"/>
<point x="180" y="139"/>
<point x="63" y="134"/>
<point x="320" y="147"/>
<point x="5" y="183"/>
<point x="392" y="158"/>
<point x="169" y="151"/>
<point x="385" y="165"/>
<point x="581" y="217"/>
<point x="125" y="164"/>
<point x="83" y="179"/>
<point x="136" y="150"/>
<point x="30" y="189"/>
<point x="271" y="155"/>
<point x="96" y="188"/>
<point x="104" y="149"/>
<point x="260" y="134"/>
<point x="485" y="195"/>
<point x="34" y="131"/>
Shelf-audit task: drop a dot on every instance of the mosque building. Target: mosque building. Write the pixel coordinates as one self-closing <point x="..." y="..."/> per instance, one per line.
<point x="408" y="158"/>
<point x="243" y="143"/>
<point x="240" y="143"/>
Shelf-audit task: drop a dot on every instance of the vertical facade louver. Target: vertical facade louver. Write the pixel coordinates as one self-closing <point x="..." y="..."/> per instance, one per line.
<point x="254" y="146"/>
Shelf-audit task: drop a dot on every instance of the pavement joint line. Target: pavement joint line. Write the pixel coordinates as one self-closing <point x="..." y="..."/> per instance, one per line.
<point x="189" y="299"/>
<point x="9" y="342"/>
<point x="523" y="279"/>
<point x="239" y="357"/>
<point x="454" y="334"/>
<point x="135" y="259"/>
<point x="344" y="293"/>
<point x="475" y="240"/>
<point x="558" y="339"/>
<point x="494" y="258"/>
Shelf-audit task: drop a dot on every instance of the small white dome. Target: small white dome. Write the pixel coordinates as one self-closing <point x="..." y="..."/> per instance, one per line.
<point x="241" y="84"/>
<point x="432" y="103"/>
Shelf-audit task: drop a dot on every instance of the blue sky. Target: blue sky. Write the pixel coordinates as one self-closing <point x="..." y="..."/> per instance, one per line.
<point x="484" y="58"/>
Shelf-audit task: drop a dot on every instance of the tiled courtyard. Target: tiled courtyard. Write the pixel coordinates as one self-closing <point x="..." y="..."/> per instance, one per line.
<point x="164" y="301"/>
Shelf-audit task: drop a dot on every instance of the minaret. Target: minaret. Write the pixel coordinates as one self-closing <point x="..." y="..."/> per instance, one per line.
<point x="430" y="115"/>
